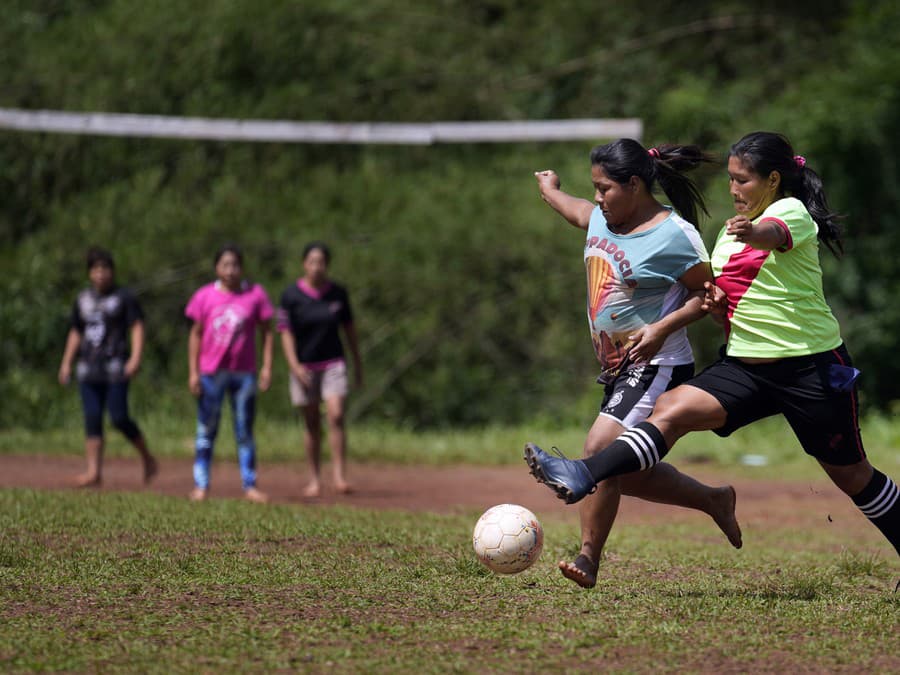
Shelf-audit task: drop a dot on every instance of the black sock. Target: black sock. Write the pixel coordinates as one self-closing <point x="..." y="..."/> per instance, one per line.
<point x="880" y="502"/>
<point x="637" y="449"/>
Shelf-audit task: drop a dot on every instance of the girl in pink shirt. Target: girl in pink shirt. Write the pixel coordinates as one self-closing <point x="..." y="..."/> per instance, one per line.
<point x="222" y="360"/>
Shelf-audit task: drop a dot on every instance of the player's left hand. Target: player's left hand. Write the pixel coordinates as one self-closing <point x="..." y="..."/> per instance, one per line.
<point x="645" y="343"/>
<point x="264" y="380"/>
<point x="132" y="366"/>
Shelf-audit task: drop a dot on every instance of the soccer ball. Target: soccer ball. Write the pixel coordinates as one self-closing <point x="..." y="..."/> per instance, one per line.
<point x="508" y="538"/>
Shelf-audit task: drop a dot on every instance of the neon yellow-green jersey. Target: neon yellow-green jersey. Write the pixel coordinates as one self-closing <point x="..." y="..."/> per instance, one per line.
<point x="776" y="305"/>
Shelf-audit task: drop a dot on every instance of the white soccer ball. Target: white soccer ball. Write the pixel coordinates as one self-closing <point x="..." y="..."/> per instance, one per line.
<point x="508" y="538"/>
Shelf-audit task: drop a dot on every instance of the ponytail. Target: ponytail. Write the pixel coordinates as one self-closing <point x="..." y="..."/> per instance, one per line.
<point x="665" y="164"/>
<point x="809" y="190"/>
<point x="671" y="163"/>
<point x="765" y="152"/>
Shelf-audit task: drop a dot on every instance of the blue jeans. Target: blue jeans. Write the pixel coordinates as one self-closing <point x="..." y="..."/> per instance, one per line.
<point x="114" y="397"/>
<point x="241" y="390"/>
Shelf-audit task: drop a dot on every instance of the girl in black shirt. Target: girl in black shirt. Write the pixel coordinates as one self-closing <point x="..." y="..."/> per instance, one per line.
<point x="310" y="314"/>
<point x="104" y="316"/>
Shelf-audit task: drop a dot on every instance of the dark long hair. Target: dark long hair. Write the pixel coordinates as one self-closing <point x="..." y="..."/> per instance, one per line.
<point x="765" y="152"/>
<point x="664" y="164"/>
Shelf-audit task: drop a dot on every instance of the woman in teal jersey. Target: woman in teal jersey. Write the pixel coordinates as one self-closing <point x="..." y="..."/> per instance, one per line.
<point x="784" y="353"/>
<point x="646" y="265"/>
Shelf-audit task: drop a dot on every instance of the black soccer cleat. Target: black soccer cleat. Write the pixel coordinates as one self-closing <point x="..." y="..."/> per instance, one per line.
<point x="568" y="478"/>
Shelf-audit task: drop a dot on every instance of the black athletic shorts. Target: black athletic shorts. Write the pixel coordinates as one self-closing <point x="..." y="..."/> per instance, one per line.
<point x="815" y="393"/>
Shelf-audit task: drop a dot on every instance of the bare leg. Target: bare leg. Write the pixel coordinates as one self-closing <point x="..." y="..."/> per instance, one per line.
<point x="850" y="479"/>
<point x="337" y="439"/>
<point x="150" y="465"/>
<point x="875" y="495"/>
<point x="597" y="512"/>
<point x="667" y="485"/>
<point x="678" y="412"/>
<point x="312" y="441"/>
<point x="662" y="483"/>
<point x="93" y="451"/>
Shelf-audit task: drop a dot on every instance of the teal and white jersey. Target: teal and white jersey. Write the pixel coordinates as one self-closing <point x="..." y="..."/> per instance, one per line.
<point x="632" y="281"/>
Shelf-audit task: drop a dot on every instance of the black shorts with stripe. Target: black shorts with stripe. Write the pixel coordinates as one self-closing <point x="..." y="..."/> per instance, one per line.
<point x="815" y="393"/>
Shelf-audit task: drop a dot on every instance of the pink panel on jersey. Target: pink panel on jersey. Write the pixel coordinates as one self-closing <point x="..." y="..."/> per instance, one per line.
<point x="737" y="276"/>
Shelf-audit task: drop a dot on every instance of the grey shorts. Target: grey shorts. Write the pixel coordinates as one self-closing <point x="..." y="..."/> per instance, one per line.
<point x="630" y="397"/>
<point x="326" y="384"/>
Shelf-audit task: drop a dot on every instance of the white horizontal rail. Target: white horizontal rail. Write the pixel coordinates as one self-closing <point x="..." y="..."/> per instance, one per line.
<point x="271" y="131"/>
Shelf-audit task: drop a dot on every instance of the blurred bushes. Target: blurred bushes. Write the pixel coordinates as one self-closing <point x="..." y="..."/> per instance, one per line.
<point x="468" y="289"/>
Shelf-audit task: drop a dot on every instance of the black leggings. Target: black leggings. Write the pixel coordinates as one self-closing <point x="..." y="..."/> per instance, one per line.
<point x="114" y="395"/>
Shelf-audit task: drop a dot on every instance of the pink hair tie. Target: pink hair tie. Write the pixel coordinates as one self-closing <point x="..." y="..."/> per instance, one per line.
<point x="653" y="152"/>
<point x="800" y="160"/>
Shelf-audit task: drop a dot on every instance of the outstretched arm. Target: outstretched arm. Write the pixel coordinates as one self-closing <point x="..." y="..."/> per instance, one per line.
<point x="647" y="341"/>
<point x="574" y="209"/>
<point x="767" y="235"/>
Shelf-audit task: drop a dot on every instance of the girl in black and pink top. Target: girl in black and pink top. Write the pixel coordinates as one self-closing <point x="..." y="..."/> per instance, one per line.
<point x="311" y="312"/>
<point x="105" y="343"/>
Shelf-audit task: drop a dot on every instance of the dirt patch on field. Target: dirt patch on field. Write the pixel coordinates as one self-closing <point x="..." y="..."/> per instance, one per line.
<point x="450" y="489"/>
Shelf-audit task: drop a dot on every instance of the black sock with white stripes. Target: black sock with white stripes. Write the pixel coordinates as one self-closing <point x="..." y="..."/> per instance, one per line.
<point x="637" y="449"/>
<point x="880" y="502"/>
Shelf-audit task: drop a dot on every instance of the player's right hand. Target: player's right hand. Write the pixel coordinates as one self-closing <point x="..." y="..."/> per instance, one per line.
<point x="194" y="384"/>
<point x="65" y="374"/>
<point x="304" y="376"/>
<point x="741" y="227"/>
<point x="547" y="180"/>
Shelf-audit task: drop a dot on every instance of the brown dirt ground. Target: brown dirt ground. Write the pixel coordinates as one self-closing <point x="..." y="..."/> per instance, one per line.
<point x="454" y="489"/>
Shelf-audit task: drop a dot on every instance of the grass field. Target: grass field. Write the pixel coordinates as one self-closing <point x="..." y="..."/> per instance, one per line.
<point x="143" y="583"/>
<point x="107" y="582"/>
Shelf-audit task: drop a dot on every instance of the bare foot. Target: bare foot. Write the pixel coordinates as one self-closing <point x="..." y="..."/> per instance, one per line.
<point x="343" y="487"/>
<point x="87" y="480"/>
<point x="256" y="496"/>
<point x="198" y="494"/>
<point x="313" y="489"/>
<point x="151" y="468"/>
<point x="583" y="571"/>
<point x="722" y="511"/>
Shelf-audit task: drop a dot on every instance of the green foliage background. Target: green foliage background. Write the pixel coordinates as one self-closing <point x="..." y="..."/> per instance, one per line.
<point x="468" y="290"/>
